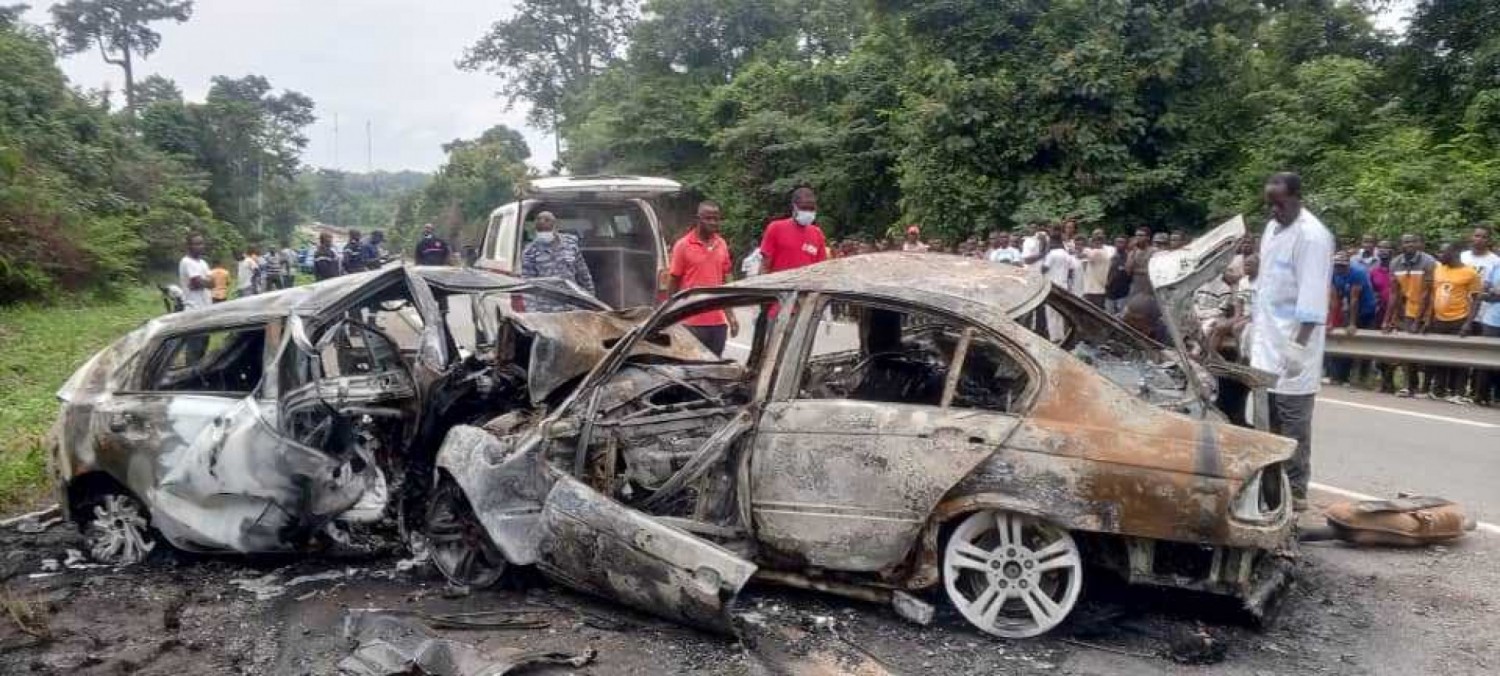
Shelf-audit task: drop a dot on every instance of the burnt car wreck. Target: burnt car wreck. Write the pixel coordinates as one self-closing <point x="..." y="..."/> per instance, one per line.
<point x="266" y="423"/>
<point x="933" y="441"/>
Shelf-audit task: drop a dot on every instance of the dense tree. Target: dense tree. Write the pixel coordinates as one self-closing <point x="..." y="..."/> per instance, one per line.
<point x="479" y="175"/>
<point x="549" y="49"/>
<point x="121" y="30"/>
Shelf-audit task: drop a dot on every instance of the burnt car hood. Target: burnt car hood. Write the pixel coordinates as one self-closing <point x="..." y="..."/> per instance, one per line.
<point x="567" y="345"/>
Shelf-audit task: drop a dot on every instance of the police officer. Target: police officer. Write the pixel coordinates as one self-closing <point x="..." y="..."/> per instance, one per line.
<point x="431" y="249"/>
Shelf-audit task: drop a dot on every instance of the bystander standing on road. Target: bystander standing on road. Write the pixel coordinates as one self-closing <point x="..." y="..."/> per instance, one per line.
<point x="1117" y="289"/>
<point x="1351" y="296"/>
<point x="374" y="250"/>
<point x="1001" y="250"/>
<point x="1367" y="253"/>
<point x="1034" y="248"/>
<point x="1410" y="295"/>
<point x="1455" y="300"/>
<point x="1482" y="257"/>
<point x="789" y="243"/>
<point x="325" y="262"/>
<point x="1096" y="256"/>
<point x="1489" y="327"/>
<point x="219" y="290"/>
<point x="1176" y="240"/>
<point x="431" y="249"/>
<point x="270" y="270"/>
<point x="194" y="276"/>
<point x="913" y="241"/>
<point x="1138" y="263"/>
<point x="354" y="253"/>
<point x="1384" y="283"/>
<point x="288" y="266"/>
<point x="554" y="254"/>
<point x="245" y="274"/>
<point x="1296" y="254"/>
<point x="701" y="258"/>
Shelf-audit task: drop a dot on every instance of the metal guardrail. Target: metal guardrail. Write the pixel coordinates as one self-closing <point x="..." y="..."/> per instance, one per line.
<point x="1445" y="350"/>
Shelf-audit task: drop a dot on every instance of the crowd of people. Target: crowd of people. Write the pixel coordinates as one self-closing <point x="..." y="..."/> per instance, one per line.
<point x="202" y="283"/>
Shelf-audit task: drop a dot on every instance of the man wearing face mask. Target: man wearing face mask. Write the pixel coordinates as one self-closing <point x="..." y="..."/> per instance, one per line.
<point x="796" y="241"/>
<point x="431" y="249"/>
<point x="554" y="254"/>
<point x="1291" y="308"/>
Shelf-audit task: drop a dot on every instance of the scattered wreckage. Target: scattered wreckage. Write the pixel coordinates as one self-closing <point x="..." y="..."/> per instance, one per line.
<point x="951" y="447"/>
<point x="254" y="425"/>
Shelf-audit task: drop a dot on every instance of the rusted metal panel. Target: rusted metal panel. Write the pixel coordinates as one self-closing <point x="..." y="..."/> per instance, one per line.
<point x="567" y="345"/>
<point x="594" y="544"/>
<point x="506" y="481"/>
<point x="847" y="485"/>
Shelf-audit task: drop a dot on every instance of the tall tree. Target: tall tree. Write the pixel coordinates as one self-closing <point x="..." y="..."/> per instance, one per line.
<point x="120" y="28"/>
<point x="550" y="50"/>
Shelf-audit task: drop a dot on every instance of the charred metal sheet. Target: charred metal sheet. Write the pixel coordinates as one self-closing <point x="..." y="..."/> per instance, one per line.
<point x="920" y="278"/>
<point x="566" y="345"/>
<point x="848" y="485"/>
<point x="596" y="545"/>
<point x="506" y="482"/>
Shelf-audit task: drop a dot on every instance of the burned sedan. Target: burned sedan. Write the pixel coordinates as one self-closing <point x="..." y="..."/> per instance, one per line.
<point x="896" y="427"/>
<point x="265" y="423"/>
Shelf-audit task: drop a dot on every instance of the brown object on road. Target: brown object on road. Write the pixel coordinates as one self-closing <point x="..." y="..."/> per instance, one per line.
<point x="1404" y="522"/>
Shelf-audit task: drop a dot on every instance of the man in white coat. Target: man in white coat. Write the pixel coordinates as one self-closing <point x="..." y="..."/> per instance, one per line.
<point x="1291" y="311"/>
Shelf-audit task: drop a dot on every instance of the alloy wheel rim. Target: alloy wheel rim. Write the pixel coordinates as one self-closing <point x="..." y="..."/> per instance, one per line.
<point x="117" y="532"/>
<point x="1010" y="575"/>
<point x="457" y="544"/>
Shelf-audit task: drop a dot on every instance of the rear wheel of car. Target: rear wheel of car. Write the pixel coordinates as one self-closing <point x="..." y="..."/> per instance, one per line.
<point x="456" y="540"/>
<point x="117" y="529"/>
<point x="1011" y="575"/>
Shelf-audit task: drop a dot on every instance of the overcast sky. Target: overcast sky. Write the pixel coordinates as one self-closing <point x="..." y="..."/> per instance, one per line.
<point x="386" y="62"/>
<point x="389" y="62"/>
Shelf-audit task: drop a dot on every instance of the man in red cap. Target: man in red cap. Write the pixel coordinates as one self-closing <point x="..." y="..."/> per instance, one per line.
<point x="913" y="240"/>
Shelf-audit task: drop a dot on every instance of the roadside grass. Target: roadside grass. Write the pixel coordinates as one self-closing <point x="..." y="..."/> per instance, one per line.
<point x="40" y="346"/>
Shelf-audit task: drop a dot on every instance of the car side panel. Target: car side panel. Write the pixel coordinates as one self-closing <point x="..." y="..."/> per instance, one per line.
<point x="847" y="485"/>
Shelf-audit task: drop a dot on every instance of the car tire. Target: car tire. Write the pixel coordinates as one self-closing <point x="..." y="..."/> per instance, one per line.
<point x="116" y="528"/>
<point x="456" y="542"/>
<point x="1012" y="575"/>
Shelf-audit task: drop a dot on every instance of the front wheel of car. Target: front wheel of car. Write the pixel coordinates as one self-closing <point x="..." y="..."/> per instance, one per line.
<point x="117" y="530"/>
<point x="456" y="541"/>
<point x="1011" y="575"/>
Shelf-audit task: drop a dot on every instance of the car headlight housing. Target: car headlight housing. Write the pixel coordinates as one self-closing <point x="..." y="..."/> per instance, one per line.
<point x="1263" y="498"/>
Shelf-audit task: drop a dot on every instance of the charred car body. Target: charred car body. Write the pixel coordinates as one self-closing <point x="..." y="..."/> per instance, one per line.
<point x="252" y="425"/>
<point x="951" y="446"/>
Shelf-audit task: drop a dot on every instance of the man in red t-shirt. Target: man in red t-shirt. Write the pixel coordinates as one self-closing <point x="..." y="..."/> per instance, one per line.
<point x="701" y="258"/>
<point x="796" y="241"/>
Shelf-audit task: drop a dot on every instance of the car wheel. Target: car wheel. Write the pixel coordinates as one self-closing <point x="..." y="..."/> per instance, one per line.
<point x="117" y="530"/>
<point x="1011" y="575"/>
<point x="456" y="540"/>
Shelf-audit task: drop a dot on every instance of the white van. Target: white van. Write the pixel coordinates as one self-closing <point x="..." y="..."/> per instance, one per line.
<point x="622" y="238"/>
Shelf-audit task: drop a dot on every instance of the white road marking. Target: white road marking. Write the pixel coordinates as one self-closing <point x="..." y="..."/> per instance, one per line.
<point x="1414" y="414"/>
<point x="1353" y="495"/>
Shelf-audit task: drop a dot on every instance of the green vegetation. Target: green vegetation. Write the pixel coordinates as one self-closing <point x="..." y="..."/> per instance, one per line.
<point x="40" y="346"/>
<point x="967" y="115"/>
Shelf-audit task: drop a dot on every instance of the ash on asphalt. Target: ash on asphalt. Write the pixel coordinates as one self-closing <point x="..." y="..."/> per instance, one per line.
<point x="180" y="613"/>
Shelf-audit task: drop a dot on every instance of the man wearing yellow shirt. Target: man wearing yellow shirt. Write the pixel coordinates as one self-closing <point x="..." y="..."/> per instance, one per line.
<point x="1455" y="300"/>
<point x="1411" y="294"/>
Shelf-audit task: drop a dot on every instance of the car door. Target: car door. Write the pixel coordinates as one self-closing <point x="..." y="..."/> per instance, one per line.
<point x="847" y="482"/>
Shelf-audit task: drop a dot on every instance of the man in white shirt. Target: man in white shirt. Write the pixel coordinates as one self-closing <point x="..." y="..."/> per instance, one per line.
<point x="1096" y="258"/>
<point x="913" y="242"/>
<point x="1001" y="251"/>
<point x="244" y="276"/>
<point x="1034" y="248"/>
<point x="193" y="276"/>
<point x="1291" y="311"/>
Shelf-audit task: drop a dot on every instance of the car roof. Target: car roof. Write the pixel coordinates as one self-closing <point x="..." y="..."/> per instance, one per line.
<point x="927" y="278"/>
<point x="601" y="184"/>
<point x="312" y="299"/>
